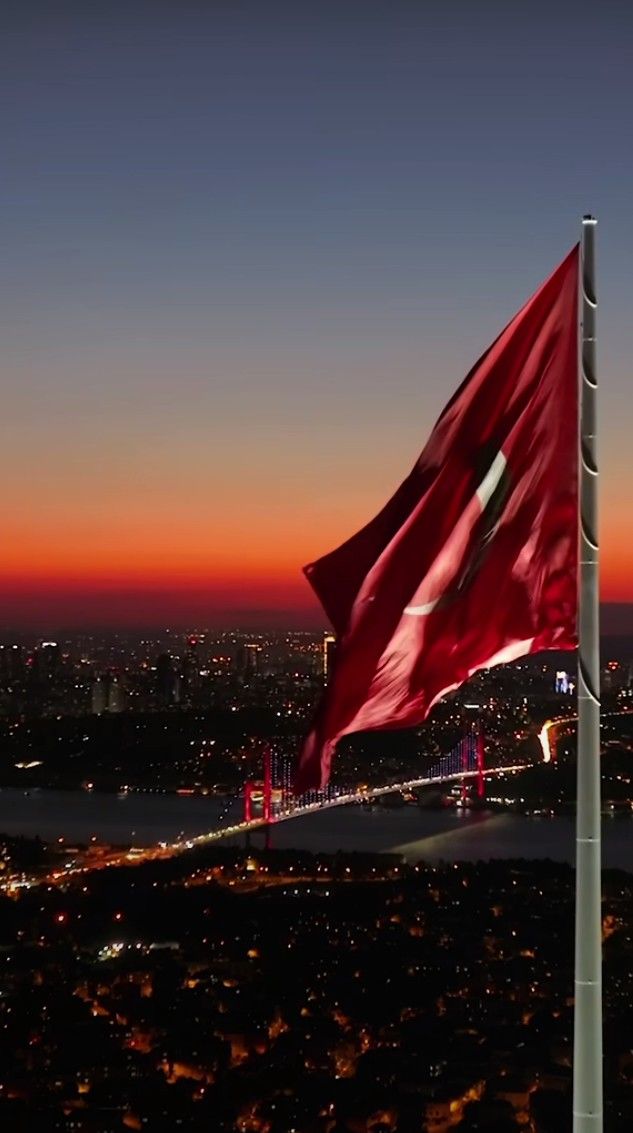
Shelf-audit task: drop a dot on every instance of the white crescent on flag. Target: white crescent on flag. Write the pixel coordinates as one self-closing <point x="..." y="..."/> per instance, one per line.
<point x="483" y="495"/>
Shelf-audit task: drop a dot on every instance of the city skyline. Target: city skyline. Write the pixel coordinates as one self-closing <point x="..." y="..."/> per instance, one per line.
<point x="250" y="255"/>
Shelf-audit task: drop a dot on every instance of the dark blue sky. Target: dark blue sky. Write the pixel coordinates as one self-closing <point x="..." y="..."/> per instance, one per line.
<point x="249" y="250"/>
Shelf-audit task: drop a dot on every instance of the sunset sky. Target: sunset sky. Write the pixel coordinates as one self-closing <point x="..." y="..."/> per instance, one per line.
<point x="249" y="251"/>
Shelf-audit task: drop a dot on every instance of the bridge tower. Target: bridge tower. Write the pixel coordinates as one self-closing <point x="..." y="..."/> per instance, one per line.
<point x="251" y="786"/>
<point x="465" y="745"/>
<point x="248" y="800"/>
<point x="481" y="752"/>
<point x="472" y="748"/>
<point x="268" y="783"/>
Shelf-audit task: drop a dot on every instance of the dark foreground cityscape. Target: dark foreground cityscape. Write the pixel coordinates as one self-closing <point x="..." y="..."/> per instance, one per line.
<point x="239" y="989"/>
<point x="283" y="992"/>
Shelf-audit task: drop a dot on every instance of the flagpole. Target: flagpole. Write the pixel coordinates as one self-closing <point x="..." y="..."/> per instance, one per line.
<point x="587" y="1084"/>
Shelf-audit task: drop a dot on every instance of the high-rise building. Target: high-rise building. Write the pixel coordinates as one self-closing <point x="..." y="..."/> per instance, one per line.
<point x="165" y="679"/>
<point x="613" y="676"/>
<point x="247" y="658"/>
<point x="188" y="682"/>
<point x="561" y="682"/>
<point x="46" y="662"/>
<point x="116" y="696"/>
<point x="99" y="696"/>
<point x="329" y="651"/>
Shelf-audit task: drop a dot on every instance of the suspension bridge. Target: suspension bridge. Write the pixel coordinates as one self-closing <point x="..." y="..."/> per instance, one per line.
<point x="269" y="800"/>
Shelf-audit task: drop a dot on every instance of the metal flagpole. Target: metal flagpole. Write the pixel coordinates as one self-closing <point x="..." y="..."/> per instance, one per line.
<point x="587" y="1089"/>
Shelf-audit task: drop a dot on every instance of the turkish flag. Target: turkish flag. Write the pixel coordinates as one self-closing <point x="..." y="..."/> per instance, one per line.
<point x="473" y="561"/>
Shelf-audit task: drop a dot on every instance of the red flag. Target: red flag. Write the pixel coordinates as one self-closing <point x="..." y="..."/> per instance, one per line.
<point x="473" y="561"/>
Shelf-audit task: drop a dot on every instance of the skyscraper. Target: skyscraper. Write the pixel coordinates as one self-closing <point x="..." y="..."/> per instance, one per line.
<point x="116" y="696"/>
<point x="99" y="697"/>
<point x="247" y="658"/>
<point x="329" y="651"/>
<point x="165" y="679"/>
<point x="47" y="660"/>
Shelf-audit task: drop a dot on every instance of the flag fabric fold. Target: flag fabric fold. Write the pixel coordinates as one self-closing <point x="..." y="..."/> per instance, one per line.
<point x="473" y="561"/>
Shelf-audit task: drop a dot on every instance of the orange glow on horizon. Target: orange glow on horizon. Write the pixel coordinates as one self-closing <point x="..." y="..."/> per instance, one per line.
<point x="253" y="571"/>
<point x="139" y="556"/>
<point x="151" y="559"/>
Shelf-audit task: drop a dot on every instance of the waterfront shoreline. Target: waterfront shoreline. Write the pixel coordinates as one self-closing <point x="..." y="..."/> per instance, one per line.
<point x="421" y="834"/>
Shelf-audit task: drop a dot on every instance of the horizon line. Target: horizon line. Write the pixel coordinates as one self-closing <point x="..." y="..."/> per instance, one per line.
<point x="247" y="620"/>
